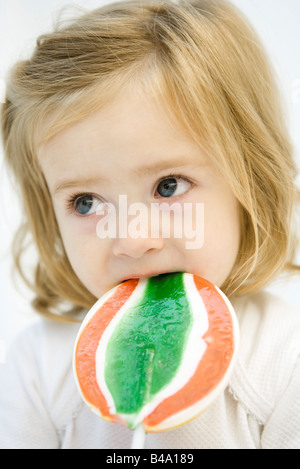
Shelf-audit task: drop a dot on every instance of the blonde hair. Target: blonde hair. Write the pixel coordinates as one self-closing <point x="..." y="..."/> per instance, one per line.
<point x="204" y="61"/>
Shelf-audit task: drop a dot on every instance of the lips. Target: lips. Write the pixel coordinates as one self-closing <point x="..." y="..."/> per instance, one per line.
<point x="146" y="275"/>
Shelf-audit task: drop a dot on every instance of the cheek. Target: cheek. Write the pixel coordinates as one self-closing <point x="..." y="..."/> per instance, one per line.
<point x="222" y="229"/>
<point x="79" y="252"/>
<point x="81" y="245"/>
<point x="222" y="240"/>
<point x="215" y="259"/>
<point x="88" y="259"/>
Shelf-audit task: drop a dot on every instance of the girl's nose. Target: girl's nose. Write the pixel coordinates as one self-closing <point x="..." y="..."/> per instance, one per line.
<point x="136" y="248"/>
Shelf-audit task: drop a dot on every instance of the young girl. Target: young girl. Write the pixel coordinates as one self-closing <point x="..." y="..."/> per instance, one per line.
<point x="163" y="102"/>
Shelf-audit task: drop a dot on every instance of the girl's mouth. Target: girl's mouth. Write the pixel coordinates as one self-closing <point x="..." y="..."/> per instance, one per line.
<point x="146" y="275"/>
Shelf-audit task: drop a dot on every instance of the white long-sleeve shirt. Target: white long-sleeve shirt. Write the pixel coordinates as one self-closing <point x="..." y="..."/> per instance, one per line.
<point x="40" y="406"/>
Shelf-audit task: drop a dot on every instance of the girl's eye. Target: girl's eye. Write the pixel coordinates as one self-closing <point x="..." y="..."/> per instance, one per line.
<point x="172" y="186"/>
<point x="86" y="204"/>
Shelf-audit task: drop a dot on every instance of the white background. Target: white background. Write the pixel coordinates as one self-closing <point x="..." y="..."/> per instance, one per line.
<point x="21" y="21"/>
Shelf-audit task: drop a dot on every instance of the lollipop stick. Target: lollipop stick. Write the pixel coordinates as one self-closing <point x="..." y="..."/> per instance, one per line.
<point x="138" y="439"/>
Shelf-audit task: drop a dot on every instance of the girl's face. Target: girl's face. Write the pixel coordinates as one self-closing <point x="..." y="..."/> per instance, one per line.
<point x="131" y="149"/>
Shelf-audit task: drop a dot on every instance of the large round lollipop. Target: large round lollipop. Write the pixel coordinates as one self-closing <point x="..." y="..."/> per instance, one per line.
<point x="156" y="352"/>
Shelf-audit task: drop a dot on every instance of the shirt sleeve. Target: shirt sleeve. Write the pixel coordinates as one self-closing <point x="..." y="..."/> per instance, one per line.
<point x="282" y="430"/>
<point x="24" y="420"/>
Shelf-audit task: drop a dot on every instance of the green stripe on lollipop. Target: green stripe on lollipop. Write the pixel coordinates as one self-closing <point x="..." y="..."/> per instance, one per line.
<point x="145" y="350"/>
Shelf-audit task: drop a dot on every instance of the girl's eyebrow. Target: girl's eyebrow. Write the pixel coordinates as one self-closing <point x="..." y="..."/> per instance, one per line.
<point x="181" y="162"/>
<point x="163" y="165"/>
<point x="71" y="183"/>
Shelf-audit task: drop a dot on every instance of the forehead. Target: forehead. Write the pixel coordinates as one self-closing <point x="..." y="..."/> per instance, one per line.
<point x="130" y="131"/>
<point x="56" y="116"/>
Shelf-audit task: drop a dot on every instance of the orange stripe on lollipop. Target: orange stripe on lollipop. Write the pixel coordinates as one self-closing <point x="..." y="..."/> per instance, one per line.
<point x="85" y="361"/>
